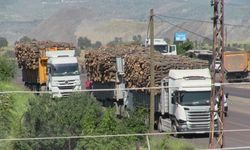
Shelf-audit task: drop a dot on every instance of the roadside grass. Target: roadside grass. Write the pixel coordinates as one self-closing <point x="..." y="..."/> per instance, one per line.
<point x="20" y="106"/>
<point x="166" y="142"/>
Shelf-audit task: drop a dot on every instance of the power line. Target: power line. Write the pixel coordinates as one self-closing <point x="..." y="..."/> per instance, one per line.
<point x="232" y="148"/>
<point x="202" y="21"/>
<point x="115" y="135"/>
<point x="178" y="26"/>
<point x="126" y="89"/>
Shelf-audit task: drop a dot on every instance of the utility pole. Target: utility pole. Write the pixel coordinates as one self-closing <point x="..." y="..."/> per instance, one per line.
<point x="218" y="51"/>
<point x="152" y="72"/>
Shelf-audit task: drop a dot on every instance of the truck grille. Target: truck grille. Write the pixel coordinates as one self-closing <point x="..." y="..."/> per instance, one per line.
<point x="66" y="87"/>
<point x="199" y="119"/>
<point x="66" y="82"/>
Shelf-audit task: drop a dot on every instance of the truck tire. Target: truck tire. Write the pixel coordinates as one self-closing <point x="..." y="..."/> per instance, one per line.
<point x="43" y="88"/>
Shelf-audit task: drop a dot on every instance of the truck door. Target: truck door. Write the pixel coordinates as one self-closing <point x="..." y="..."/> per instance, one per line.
<point x="172" y="50"/>
<point x="174" y="102"/>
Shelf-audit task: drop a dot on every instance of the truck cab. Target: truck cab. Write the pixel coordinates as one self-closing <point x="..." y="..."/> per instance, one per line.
<point x="185" y="105"/>
<point x="162" y="46"/>
<point x="63" y="73"/>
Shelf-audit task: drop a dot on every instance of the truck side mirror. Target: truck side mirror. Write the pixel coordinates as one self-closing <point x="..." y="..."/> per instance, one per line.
<point x="227" y="95"/>
<point x="173" y="99"/>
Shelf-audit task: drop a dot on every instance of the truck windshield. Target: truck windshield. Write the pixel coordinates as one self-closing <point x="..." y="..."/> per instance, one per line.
<point x="195" y="98"/>
<point x="65" y="69"/>
<point x="161" y="48"/>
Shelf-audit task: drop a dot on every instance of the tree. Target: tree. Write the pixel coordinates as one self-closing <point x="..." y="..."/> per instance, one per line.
<point x="97" y="45"/>
<point x="137" y="39"/>
<point x="6" y="115"/>
<point x="3" y="42"/>
<point x="84" y="43"/>
<point x="185" y="46"/>
<point x="78" y="114"/>
<point x="25" y="39"/>
<point x="116" y="41"/>
<point x="7" y="69"/>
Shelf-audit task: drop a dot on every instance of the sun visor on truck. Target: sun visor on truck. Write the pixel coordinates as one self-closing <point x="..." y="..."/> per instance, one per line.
<point x="61" y="53"/>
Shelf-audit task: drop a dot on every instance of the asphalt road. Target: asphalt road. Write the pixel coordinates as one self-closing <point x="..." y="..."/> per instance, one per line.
<point x="238" y="118"/>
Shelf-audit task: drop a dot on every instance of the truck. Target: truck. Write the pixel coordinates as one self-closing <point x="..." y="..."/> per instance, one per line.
<point x="183" y="103"/>
<point x="162" y="46"/>
<point x="237" y="65"/>
<point x="186" y="105"/>
<point x="57" y="72"/>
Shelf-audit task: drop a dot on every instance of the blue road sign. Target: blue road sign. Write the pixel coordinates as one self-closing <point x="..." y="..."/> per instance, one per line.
<point x="180" y="36"/>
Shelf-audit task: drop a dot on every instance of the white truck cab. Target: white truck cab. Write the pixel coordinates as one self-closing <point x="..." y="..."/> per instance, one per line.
<point x="63" y="73"/>
<point x="185" y="105"/>
<point x="162" y="46"/>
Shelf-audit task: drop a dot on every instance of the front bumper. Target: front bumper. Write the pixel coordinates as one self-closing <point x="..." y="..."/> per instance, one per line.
<point x="57" y="92"/>
<point x="196" y="129"/>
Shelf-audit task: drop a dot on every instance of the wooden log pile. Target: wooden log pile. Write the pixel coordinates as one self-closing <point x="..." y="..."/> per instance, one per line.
<point x="100" y="65"/>
<point x="28" y="53"/>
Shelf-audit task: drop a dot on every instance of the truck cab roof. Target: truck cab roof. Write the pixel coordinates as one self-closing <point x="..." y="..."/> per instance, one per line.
<point x="62" y="60"/>
<point x="156" y="42"/>
<point x="178" y="74"/>
<point x="191" y="80"/>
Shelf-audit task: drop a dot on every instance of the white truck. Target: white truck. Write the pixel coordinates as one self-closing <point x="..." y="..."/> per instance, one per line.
<point x="182" y="107"/>
<point x="63" y="73"/>
<point x="162" y="46"/>
<point x="185" y="105"/>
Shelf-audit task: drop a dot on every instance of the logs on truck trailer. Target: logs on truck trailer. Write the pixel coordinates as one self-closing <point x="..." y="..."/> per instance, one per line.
<point x="32" y="59"/>
<point x="100" y="65"/>
<point x="28" y="53"/>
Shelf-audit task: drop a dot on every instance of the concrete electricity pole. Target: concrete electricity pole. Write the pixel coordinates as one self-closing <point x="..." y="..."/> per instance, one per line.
<point x="152" y="72"/>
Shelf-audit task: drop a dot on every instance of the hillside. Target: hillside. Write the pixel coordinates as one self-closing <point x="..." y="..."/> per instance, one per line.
<point x="62" y="25"/>
<point x="65" y="20"/>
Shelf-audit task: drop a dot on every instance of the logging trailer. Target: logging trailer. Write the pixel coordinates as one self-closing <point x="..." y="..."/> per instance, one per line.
<point x="57" y="72"/>
<point x="184" y="106"/>
<point x="237" y="65"/>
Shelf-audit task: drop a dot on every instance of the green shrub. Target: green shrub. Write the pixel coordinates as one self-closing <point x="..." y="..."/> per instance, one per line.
<point x="169" y="143"/>
<point x="78" y="114"/>
<point x="6" y="116"/>
<point x="7" y="69"/>
<point x="3" y="42"/>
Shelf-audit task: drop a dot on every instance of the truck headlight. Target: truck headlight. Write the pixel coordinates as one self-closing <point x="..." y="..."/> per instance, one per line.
<point x="77" y="82"/>
<point x="54" y="84"/>
<point x="182" y="121"/>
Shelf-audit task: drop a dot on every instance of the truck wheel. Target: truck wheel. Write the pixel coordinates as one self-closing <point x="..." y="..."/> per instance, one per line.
<point x="43" y="88"/>
<point x="174" y="130"/>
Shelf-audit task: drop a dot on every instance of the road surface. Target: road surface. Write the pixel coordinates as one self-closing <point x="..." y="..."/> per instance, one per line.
<point x="239" y="118"/>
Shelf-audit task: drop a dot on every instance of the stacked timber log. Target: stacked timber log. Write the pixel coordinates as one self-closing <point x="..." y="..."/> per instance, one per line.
<point x="100" y="65"/>
<point x="28" y="53"/>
